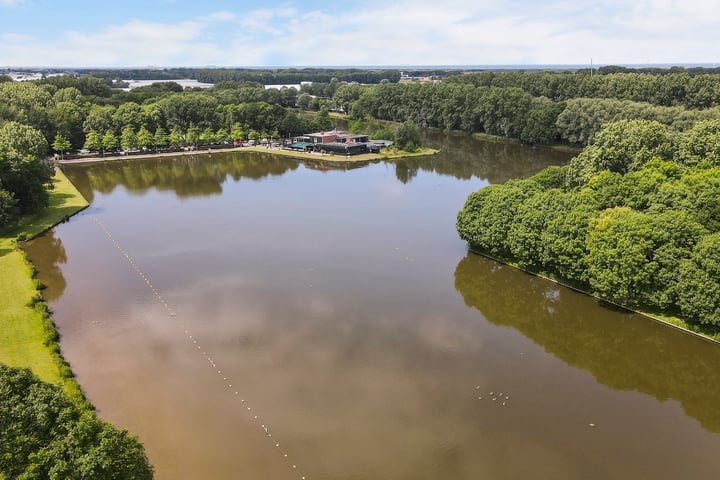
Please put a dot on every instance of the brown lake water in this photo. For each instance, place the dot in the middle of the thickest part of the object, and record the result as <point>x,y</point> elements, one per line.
<point>338,306</point>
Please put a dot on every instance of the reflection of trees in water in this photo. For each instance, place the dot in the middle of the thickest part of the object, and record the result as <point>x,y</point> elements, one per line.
<point>186,176</point>
<point>461,156</point>
<point>622,351</point>
<point>47,253</point>
<point>464,157</point>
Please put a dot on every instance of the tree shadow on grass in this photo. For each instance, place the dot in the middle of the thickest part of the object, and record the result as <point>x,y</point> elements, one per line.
<point>60,198</point>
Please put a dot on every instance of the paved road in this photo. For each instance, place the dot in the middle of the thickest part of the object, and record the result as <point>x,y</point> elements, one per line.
<point>144,155</point>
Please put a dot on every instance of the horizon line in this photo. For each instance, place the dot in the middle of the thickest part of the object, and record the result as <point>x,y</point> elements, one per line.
<point>514,66</point>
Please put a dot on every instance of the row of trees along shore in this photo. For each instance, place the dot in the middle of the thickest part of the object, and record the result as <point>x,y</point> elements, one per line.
<point>535,107</point>
<point>634,218</point>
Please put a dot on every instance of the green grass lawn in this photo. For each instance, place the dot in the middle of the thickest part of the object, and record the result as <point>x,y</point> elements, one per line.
<point>386,154</point>
<point>27,337</point>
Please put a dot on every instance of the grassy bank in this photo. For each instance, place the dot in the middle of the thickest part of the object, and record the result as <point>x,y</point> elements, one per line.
<point>386,154</point>
<point>27,335</point>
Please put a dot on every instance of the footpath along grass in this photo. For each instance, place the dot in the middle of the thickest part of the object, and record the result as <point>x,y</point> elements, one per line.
<point>27,336</point>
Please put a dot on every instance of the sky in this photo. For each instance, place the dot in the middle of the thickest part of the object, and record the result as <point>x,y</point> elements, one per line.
<point>169,33</point>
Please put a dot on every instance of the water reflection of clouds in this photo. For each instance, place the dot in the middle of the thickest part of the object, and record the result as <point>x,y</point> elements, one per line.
<point>334,312</point>
<point>442,335</point>
<point>390,188</point>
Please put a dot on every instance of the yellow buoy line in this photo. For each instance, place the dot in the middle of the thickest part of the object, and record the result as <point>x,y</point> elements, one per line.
<point>254,418</point>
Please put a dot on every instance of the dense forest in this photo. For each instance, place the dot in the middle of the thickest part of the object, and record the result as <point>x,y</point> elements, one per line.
<point>543,107</point>
<point>634,218</point>
<point>45,435</point>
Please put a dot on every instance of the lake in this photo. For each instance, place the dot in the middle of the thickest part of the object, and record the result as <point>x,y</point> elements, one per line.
<point>252,316</point>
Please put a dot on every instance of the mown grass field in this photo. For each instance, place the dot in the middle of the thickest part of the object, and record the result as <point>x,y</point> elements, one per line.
<point>27,336</point>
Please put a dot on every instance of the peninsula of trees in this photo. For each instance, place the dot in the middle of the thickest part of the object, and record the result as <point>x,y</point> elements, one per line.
<point>634,218</point>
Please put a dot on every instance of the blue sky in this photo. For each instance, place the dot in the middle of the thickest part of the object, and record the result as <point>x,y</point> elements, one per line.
<point>364,32</point>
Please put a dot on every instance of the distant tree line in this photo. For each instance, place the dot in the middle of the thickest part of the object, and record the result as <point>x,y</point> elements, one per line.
<point>512,106</point>
<point>670,89</point>
<point>535,107</point>
<point>283,76</point>
<point>634,218</point>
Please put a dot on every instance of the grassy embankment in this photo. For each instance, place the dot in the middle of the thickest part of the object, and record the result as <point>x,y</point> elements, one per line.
<point>385,154</point>
<point>27,335</point>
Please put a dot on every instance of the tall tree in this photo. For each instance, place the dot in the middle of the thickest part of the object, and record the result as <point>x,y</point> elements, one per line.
<point>93,141</point>
<point>22,140</point>
<point>61,144</point>
<point>408,136</point>
<point>160,139</point>
<point>23,173</point>
<point>323,119</point>
<point>144,137</point>
<point>176,139</point>
<point>699,288</point>
<point>109,141</point>
<point>128,138</point>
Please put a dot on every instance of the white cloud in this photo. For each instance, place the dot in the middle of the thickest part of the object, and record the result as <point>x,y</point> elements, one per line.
<point>378,32</point>
<point>487,33</point>
<point>136,43</point>
<point>15,37</point>
<point>11,3</point>
<point>220,17</point>
<point>268,20</point>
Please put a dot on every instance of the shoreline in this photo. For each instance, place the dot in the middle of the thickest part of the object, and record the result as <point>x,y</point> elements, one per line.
<point>365,157</point>
<point>647,315</point>
<point>28,337</point>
